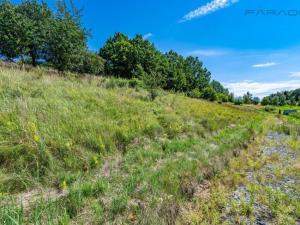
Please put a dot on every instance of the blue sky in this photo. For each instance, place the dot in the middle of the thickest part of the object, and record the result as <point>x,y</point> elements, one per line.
<point>245,46</point>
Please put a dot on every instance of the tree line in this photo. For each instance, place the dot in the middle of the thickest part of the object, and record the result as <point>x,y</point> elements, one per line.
<point>291,98</point>
<point>33,33</point>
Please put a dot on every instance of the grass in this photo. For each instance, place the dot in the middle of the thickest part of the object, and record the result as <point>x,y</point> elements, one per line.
<point>118,153</point>
<point>282,204</point>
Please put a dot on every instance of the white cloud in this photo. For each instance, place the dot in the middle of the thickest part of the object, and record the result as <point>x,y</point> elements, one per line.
<point>295,74</point>
<point>147,36</point>
<point>263,65</point>
<point>208,52</point>
<point>261,89</point>
<point>208,8</point>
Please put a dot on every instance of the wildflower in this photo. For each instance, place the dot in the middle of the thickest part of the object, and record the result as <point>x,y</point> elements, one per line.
<point>95,160</point>
<point>101,144</point>
<point>33,128</point>
<point>64,185</point>
<point>36,138</point>
<point>68,145</point>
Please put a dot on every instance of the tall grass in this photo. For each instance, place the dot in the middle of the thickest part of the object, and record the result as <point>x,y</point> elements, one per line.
<point>60,132</point>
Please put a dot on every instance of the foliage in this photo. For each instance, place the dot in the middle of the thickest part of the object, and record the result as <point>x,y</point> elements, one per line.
<point>12,31</point>
<point>248,98</point>
<point>269,108</point>
<point>238,101</point>
<point>291,98</point>
<point>56,38</point>
<point>218,87</point>
<point>32,30</point>
<point>91,63</point>
<point>256,100</point>
<point>67,43</point>
<point>117,53</point>
<point>209,93</point>
<point>138,58</point>
<point>37,17</point>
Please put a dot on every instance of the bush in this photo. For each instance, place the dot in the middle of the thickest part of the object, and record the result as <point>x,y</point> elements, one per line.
<point>116,83</point>
<point>134,83</point>
<point>194,93</point>
<point>238,101</point>
<point>153,94</point>
<point>269,108</point>
<point>223,98</point>
<point>209,93</point>
<point>91,64</point>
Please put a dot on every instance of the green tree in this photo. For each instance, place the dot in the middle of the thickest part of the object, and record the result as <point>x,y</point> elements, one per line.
<point>256,100</point>
<point>67,43</point>
<point>197,76</point>
<point>12,31</point>
<point>91,63</point>
<point>117,53</point>
<point>248,98</point>
<point>238,101</point>
<point>222,97</point>
<point>219,88</point>
<point>144,54</point>
<point>176,78</point>
<point>209,93</point>
<point>37,17</point>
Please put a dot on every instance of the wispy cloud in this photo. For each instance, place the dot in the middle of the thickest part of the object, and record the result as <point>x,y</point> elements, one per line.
<point>268,64</point>
<point>208,8</point>
<point>208,52</point>
<point>261,89</point>
<point>295,74</point>
<point>147,36</point>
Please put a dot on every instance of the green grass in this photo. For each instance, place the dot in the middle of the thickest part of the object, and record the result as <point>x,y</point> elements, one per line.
<point>119,153</point>
<point>282,205</point>
<point>288,107</point>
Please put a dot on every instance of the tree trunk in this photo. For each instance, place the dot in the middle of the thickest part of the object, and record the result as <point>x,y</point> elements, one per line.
<point>33,56</point>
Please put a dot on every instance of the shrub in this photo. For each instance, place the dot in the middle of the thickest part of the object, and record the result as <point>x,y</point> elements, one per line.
<point>116,83</point>
<point>153,94</point>
<point>238,101</point>
<point>209,93</point>
<point>223,98</point>
<point>269,108</point>
<point>194,93</point>
<point>91,64</point>
<point>134,83</point>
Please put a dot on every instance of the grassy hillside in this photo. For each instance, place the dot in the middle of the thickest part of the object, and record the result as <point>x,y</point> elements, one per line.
<point>95,150</point>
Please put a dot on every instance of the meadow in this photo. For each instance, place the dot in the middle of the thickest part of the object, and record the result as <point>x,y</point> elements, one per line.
<point>97,150</point>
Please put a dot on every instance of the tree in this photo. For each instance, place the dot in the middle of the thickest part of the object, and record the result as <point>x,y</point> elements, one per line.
<point>91,63</point>
<point>67,42</point>
<point>12,31</point>
<point>197,76</point>
<point>222,97</point>
<point>218,87</point>
<point>37,17</point>
<point>117,53</point>
<point>176,78</point>
<point>144,54</point>
<point>238,101</point>
<point>209,93</point>
<point>248,98</point>
<point>256,100</point>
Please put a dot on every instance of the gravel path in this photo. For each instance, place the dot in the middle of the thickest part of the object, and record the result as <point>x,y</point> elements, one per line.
<point>271,183</point>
